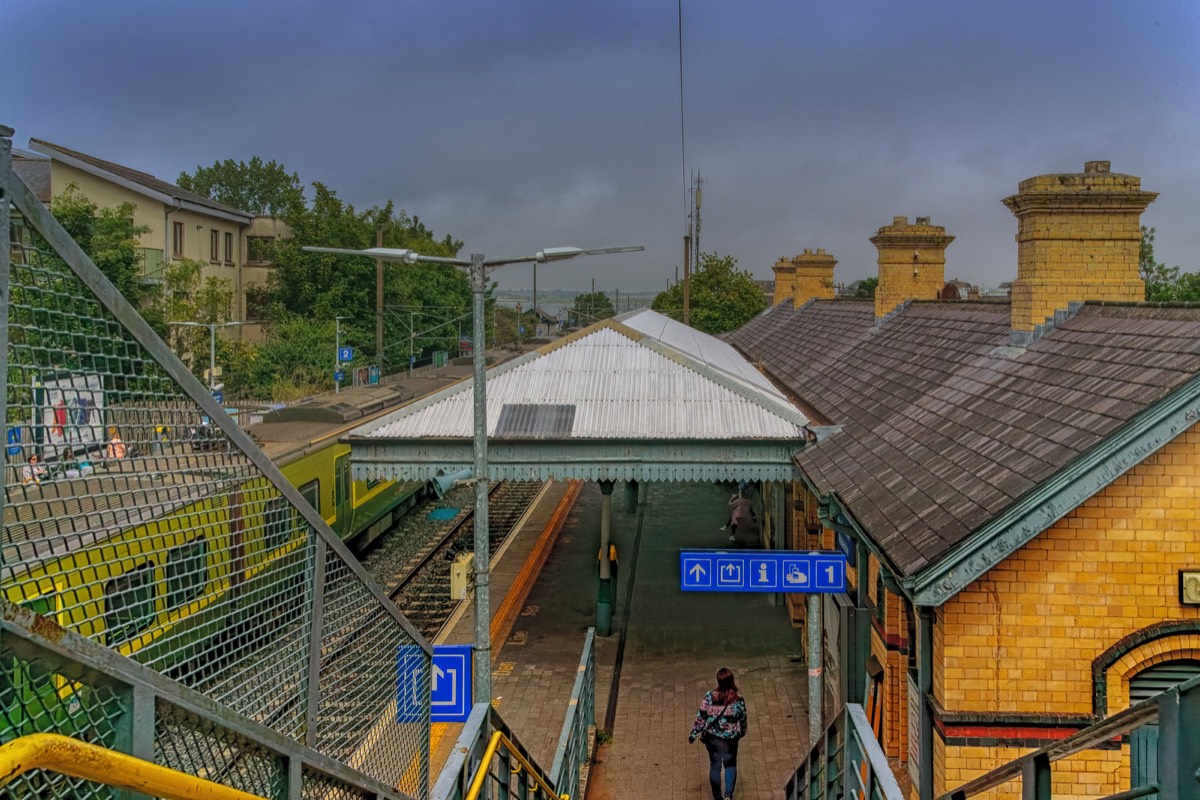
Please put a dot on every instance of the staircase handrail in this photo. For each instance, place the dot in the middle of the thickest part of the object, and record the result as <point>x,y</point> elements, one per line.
<point>1031,766</point>
<point>66,756</point>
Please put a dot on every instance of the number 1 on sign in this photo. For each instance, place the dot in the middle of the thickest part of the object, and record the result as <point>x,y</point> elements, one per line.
<point>831,572</point>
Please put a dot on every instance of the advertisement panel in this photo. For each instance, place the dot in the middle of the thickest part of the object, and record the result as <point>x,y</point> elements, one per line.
<point>68,414</point>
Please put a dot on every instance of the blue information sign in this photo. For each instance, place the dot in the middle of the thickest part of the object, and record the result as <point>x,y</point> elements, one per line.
<point>410,683</point>
<point>339,376</point>
<point>14,441</point>
<point>219,396</point>
<point>762,571</point>
<point>451,698</point>
<point>345,354</point>
<point>448,689</point>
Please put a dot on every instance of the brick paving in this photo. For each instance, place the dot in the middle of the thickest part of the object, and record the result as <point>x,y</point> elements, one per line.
<point>674,644</point>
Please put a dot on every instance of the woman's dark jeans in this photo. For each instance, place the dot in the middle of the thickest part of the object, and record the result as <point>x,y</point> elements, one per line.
<point>721,753</point>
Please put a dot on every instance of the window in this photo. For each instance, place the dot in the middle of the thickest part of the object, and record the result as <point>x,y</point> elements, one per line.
<point>228,248</point>
<point>312,493</point>
<point>259,249</point>
<point>341,486</point>
<point>214,238</point>
<point>177,239</point>
<point>129,604</point>
<point>257,301</point>
<point>277,524</point>
<point>187,572</point>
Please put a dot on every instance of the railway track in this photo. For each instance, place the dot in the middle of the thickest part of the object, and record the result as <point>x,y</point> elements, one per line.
<point>420,584</point>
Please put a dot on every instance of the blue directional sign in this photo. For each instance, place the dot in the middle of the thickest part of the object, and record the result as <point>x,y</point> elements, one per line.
<point>447,689</point>
<point>411,681</point>
<point>219,396</point>
<point>345,354</point>
<point>451,699</point>
<point>339,376</point>
<point>762,571</point>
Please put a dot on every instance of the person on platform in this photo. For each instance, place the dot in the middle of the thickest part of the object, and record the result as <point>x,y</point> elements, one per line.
<point>33,472</point>
<point>721,722</point>
<point>741,514</point>
<point>116,446</point>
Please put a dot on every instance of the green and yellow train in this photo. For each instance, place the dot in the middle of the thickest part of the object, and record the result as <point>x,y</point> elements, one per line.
<point>184,568</point>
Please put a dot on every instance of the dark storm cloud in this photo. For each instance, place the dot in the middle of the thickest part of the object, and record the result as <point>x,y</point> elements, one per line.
<point>521,124</point>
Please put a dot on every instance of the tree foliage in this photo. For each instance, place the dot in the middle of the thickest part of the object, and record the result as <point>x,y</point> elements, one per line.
<point>866,288</point>
<point>109,237</point>
<point>256,187</point>
<point>590,307</point>
<point>1165,284</point>
<point>723,297</point>
<point>325,286</point>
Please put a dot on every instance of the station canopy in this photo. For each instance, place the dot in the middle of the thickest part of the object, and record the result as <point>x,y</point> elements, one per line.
<point>636,397</point>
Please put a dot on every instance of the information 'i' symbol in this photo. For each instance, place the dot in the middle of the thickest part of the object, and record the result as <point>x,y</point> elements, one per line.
<point>762,572</point>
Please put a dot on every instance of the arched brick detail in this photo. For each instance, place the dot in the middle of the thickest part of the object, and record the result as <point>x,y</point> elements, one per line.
<point>1172,640</point>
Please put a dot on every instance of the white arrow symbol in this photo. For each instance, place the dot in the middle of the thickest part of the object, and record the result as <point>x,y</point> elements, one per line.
<point>730,570</point>
<point>698,572</point>
<point>438,672</point>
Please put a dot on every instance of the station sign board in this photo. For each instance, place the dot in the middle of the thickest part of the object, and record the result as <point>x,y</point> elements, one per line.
<point>798,571</point>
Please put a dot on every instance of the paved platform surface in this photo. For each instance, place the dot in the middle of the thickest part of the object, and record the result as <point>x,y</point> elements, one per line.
<point>664,652</point>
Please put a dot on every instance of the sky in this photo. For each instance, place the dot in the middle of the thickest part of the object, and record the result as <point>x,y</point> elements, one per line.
<point>523,124</point>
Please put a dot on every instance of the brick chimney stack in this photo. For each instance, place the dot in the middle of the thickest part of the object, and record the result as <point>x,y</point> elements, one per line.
<point>912,263</point>
<point>1078,237</point>
<point>804,277</point>
<point>785,280</point>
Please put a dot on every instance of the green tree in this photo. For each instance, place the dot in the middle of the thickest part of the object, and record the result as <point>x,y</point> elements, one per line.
<point>293,361</point>
<point>323,286</point>
<point>256,187</point>
<point>723,297</point>
<point>108,236</point>
<point>186,296</point>
<point>590,307</point>
<point>866,288</point>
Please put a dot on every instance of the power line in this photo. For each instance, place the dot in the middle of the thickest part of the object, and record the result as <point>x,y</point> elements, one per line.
<point>682,127</point>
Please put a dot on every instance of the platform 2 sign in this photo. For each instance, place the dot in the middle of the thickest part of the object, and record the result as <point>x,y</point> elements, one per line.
<point>448,689</point>
<point>800,571</point>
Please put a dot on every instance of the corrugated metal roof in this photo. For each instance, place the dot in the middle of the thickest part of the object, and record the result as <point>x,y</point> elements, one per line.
<point>632,398</point>
<point>641,377</point>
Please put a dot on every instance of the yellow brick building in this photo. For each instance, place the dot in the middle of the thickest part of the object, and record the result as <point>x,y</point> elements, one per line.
<point>1016,485</point>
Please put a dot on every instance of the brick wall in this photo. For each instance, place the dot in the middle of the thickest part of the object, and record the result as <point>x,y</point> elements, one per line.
<point>1024,647</point>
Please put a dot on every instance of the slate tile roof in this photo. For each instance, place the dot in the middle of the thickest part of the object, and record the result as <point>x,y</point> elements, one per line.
<point>943,431</point>
<point>136,176</point>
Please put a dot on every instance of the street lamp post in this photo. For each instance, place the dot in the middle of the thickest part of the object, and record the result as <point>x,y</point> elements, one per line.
<point>478,267</point>
<point>212,345</point>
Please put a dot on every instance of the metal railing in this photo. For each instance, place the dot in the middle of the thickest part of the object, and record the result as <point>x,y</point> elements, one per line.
<point>1176,712</point>
<point>193,556</point>
<point>846,762</point>
<point>489,761</point>
<point>579,729</point>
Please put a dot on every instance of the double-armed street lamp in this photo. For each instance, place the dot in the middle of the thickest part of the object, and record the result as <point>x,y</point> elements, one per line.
<point>478,267</point>
<point>212,345</point>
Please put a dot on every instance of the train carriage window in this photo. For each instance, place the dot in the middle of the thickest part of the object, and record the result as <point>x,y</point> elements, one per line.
<point>129,604</point>
<point>277,523</point>
<point>312,493</point>
<point>187,572</point>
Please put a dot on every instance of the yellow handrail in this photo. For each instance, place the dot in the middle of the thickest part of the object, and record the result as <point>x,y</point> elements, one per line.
<point>499,738</point>
<point>68,756</point>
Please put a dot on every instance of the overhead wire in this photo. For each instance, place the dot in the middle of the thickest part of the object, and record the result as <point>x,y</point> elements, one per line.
<point>682,125</point>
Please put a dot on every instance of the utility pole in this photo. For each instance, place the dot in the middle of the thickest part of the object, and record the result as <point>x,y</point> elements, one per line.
<point>379,301</point>
<point>697,182</point>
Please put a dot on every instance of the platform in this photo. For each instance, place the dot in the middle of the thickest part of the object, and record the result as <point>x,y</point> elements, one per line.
<point>664,652</point>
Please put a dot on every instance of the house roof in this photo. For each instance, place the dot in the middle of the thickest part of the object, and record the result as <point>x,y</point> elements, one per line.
<point>636,397</point>
<point>948,431</point>
<point>138,181</point>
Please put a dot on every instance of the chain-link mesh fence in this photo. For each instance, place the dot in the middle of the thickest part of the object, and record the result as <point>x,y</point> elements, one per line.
<point>139,517</point>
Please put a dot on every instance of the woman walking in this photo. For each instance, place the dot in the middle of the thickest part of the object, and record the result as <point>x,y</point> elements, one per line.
<point>721,723</point>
